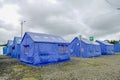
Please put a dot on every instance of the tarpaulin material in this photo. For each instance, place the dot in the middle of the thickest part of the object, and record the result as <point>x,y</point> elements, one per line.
<point>117,47</point>
<point>9,47</point>
<point>39,49</point>
<point>106,48</point>
<point>16,47</point>
<point>84,48</point>
<point>5,50</point>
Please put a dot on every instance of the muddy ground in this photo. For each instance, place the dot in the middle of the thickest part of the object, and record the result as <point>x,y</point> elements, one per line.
<point>101,68</point>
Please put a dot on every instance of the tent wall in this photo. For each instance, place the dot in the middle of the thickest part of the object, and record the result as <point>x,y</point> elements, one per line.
<point>117,47</point>
<point>16,47</point>
<point>75,48</point>
<point>27,46</point>
<point>84,50</point>
<point>103,49</point>
<point>110,49</point>
<point>97,50</point>
<point>88,50</point>
<point>9,50</point>
<point>5,50</point>
<point>106,49</point>
<point>49,53</point>
<point>13,51</point>
<point>39,53</point>
<point>9,47</point>
<point>16,51</point>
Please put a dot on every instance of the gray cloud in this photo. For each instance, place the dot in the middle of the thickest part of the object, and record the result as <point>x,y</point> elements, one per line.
<point>5,26</point>
<point>60,18</point>
<point>114,3</point>
<point>68,18</point>
<point>106,24</point>
<point>8,31</point>
<point>1,4</point>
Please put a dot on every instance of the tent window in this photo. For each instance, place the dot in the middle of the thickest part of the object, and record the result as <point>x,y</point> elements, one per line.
<point>13,47</point>
<point>77,44</point>
<point>26,49</point>
<point>82,50</point>
<point>63,49</point>
<point>71,50</point>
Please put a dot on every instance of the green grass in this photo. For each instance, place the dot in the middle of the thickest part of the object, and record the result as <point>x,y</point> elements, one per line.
<point>29,79</point>
<point>24,72</point>
<point>76,69</point>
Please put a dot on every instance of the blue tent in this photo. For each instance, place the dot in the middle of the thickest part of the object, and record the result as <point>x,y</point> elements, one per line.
<point>9,47</point>
<point>106,48</point>
<point>117,47</point>
<point>5,50</point>
<point>88,49</point>
<point>39,49</point>
<point>16,47</point>
<point>96,49</point>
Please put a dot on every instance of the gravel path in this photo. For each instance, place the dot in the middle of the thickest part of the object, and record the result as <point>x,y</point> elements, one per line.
<point>101,68</point>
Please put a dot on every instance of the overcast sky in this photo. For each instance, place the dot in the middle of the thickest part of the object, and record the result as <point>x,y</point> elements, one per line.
<point>66,18</point>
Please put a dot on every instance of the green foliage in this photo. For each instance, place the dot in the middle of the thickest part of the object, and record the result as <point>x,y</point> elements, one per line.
<point>3,45</point>
<point>112,41</point>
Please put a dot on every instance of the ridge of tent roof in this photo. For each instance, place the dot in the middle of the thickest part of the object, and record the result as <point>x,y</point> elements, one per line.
<point>18,39</point>
<point>87,41</point>
<point>41,37</point>
<point>10,42</point>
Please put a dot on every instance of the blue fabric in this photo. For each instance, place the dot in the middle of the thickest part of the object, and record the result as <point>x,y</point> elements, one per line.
<point>5,50</point>
<point>41,52</point>
<point>28,64</point>
<point>88,49</point>
<point>39,37</point>
<point>117,47</point>
<point>16,47</point>
<point>106,48</point>
<point>9,47</point>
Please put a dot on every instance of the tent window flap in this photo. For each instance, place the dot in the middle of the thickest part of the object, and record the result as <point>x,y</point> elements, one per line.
<point>62,49</point>
<point>26,49</point>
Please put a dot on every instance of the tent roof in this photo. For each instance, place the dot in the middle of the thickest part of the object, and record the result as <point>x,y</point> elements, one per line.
<point>40,37</point>
<point>18,39</point>
<point>96,43</point>
<point>88,42</point>
<point>10,42</point>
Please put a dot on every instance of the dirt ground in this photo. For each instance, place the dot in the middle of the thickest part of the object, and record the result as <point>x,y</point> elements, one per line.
<point>101,68</point>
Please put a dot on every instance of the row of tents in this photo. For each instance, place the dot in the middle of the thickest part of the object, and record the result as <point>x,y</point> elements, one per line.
<point>39,49</point>
<point>87,49</point>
